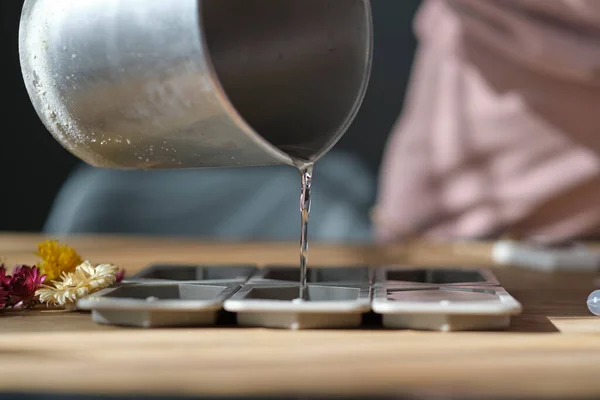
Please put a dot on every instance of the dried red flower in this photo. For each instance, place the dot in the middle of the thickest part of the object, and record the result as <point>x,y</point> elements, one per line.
<point>4,279</point>
<point>3,298</point>
<point>120,275</point>
<point>4,283</point>
<point>24,282</point>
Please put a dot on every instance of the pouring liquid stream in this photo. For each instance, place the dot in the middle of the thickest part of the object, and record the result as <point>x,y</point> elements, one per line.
<point>306,172</point>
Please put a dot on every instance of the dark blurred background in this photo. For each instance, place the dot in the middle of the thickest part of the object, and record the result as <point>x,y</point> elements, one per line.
<point>33,165</point>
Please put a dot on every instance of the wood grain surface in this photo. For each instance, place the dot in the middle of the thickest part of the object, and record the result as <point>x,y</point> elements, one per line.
<point>551,350</point>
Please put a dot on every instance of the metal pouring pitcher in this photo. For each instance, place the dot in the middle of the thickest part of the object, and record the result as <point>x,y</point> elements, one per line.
<point>157,84</point>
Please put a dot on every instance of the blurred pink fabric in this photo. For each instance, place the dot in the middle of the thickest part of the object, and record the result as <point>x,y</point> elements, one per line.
<point>501,127</point>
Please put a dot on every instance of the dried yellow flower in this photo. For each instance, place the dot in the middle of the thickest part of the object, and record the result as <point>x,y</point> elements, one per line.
<point>85,280</point>
<point>57,259</point>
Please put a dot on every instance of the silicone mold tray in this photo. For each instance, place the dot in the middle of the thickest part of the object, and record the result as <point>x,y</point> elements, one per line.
<point>445,299</point>
<point>401,276</point>
<point>158,305</point>
<point>194,273</point>
<point>445,308</point>
<point>315,275</point>
<point>278,306</point>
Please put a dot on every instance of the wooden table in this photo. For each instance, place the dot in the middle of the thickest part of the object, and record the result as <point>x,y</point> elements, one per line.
<point>552,349</point>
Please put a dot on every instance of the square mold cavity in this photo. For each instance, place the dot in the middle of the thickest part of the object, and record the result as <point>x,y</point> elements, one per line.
<point>316,275</point>
<point>401,276</point>
<point>278,306</point>
<point>450,308</point>
<point>194,273</point>
<point>158,305</point>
